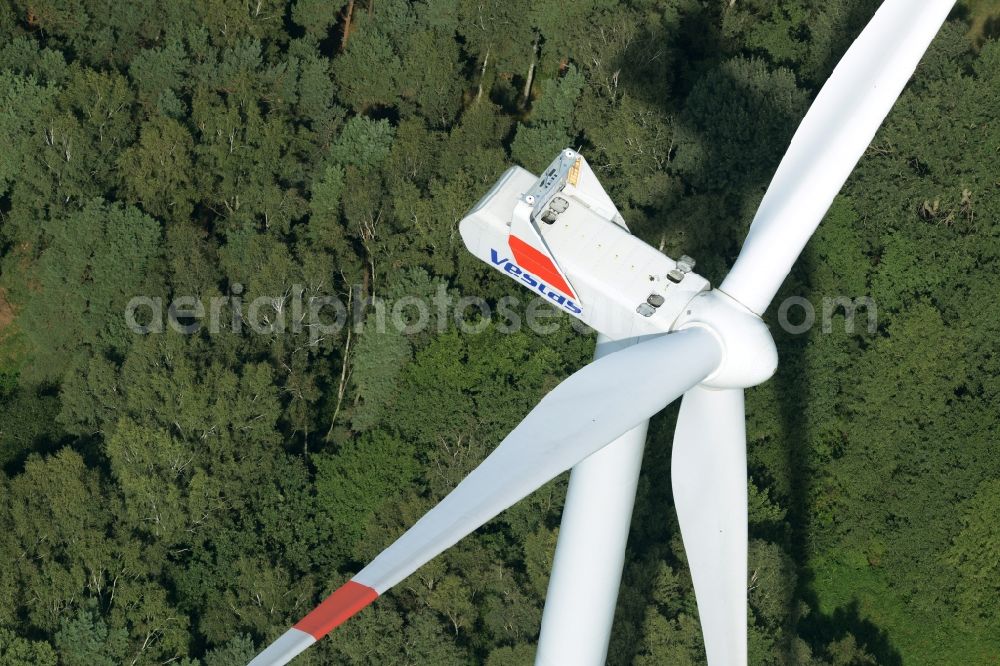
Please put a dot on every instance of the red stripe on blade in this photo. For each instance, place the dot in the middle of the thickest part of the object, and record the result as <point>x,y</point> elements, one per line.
<point>533,261</point>
<point>345,601</point>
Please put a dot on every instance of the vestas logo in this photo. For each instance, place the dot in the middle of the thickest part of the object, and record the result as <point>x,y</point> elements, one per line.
<point>530,280</point>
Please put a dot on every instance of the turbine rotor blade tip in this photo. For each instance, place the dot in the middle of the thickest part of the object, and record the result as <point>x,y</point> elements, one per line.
<point>345,601</point>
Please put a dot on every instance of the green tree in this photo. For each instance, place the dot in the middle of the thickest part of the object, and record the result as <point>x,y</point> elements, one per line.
<point>548,131</point>
<point>973,554</point>
<point>22,102</point>
<point>350,496</point>
<point>85,639</point>
<point>18,651</point>
<point>157,170</point>
<point>97,260</point>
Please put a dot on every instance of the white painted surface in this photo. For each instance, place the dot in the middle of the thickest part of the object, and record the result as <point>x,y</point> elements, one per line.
<point>586,573</point>
<point>749,356</point>
<point>610,270</point>
<point>587,411</point>
<point>709,475</point>
<point>289,645</point>
<point>832,137</point>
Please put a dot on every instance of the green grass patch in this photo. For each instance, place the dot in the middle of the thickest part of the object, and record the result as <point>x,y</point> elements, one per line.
<point>844,579</point>
<point>982,15</point>
<point>14,347</point>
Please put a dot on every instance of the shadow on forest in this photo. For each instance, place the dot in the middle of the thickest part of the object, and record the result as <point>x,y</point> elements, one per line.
<point>36,405</point>
<point>792,379</point>
<point>654,524</point>
<point>823,629</point>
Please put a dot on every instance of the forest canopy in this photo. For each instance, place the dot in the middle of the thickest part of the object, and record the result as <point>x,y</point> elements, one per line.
<point>185,497</point>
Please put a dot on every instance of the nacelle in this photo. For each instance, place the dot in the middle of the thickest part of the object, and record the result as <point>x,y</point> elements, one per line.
<point>561,236</point>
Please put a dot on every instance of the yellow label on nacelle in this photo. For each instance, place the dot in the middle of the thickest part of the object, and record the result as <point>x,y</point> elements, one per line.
<point>574,173</point>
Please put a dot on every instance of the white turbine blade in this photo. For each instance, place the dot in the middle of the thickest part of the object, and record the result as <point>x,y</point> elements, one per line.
<point>583,414</point>
<point>590,552</point>
<point>709,474</point>
<point>832,137</point>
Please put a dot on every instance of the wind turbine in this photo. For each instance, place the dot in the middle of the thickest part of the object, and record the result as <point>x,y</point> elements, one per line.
<point>665,335</point>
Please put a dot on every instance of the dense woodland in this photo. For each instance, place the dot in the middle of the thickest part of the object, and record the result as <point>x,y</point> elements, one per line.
<point>182,499</point>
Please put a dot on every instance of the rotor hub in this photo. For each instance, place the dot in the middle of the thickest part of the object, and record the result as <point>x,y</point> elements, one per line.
<point>749,356</point>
